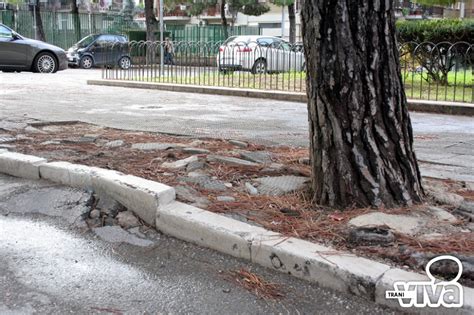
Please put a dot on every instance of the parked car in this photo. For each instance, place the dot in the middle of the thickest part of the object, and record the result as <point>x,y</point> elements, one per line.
<point>259,54</point>
<point>18,53</point>
<point>100,50</point>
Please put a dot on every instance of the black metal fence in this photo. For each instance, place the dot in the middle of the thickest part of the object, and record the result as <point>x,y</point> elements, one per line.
<point>441,72</point>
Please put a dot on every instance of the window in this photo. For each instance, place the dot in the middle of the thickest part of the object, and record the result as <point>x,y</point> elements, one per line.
<point>109,38</point>
<point>265,42</point>
<point>104,40</point>
<point>5,32</point>
<point>86,41</point>
<point>121,39</point>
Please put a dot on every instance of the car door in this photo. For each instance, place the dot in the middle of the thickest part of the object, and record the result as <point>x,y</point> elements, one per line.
<point>263,49</point>
<point>13,50</point>
<point>276,58</point>
<point>99,50</point>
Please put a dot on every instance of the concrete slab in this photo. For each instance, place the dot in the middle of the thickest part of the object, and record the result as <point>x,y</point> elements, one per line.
<point>399,223</point>
<point>280,185</point>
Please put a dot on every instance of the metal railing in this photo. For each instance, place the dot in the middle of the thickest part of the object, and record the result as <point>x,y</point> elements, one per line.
<point>441,72</point>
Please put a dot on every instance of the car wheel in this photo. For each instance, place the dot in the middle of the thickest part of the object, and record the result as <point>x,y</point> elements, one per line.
<point>125,63</point>
<point>45,63</point>
<point>259,67</point>
<point>86,62</point>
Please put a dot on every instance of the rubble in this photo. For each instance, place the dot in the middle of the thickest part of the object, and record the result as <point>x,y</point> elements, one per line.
<point>180,164</point>
<point>281,185</point>
<point>195,151</point>
<point>230,161</point>
<point>398,223</point>
<point>371,236</point>
<point>225,199</point>
<point>240,144</point>
<point>114,144</point>
<point>251,189</point>
<point>127,220</point>
<point>155,146</point>
<point>260,157</point>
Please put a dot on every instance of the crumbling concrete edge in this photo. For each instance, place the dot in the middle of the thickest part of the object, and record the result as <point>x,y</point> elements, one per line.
<point>438,107</point>
<point>155,204</point>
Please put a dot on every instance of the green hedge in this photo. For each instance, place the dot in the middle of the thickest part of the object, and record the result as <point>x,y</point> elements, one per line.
<point>450,30</point>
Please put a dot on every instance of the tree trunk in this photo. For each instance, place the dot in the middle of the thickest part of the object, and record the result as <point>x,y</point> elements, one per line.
<point>39,30</point>
<point>151,26</point>
<point>292,18</point>
<point>77,20</point>
<point>150,21</point>
<point>224,20</point>
<point>361,135</point>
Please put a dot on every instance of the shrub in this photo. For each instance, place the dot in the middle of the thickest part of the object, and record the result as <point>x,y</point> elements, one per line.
<point>436,31</point>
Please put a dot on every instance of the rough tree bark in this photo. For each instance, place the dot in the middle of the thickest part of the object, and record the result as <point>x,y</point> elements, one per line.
<point>361,135</point>
<point>77,20</point>
<point>150,21</point>
<point>224,20</point>
<point>292,19</point>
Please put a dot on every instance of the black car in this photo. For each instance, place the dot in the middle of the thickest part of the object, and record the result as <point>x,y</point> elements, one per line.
<point>100,50</point>
<point>18,53</point>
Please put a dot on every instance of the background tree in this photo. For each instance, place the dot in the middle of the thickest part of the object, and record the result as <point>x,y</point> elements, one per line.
<point>224,18</point>
<point>36,13</point>
<point>128,13</point>
<point>150,21</point>
<point>361,139</point>
<point>76,19</point>
<point>290,4</point>
<point>247,7</point>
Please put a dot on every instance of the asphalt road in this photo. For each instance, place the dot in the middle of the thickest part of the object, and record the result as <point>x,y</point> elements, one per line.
<point>444,144</point>
<point>51,263</point>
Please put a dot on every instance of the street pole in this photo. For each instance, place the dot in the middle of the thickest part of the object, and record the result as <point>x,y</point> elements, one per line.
<point>283,21</point>
<point>162,63</point>
<point>35,3</point>
<point>462,10</point>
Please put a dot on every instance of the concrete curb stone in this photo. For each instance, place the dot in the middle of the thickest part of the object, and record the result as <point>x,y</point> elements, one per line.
<point>20,165</point>
<point>139,195</point>
<point>450,108</point>
<point>207,229</point>
<point>316,263</point>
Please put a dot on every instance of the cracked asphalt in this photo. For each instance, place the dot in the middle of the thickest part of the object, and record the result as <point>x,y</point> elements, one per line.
<point>51,263</point>
<point>444,144</point>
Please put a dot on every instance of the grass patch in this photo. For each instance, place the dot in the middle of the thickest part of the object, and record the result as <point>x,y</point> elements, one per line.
<point>459,87</point>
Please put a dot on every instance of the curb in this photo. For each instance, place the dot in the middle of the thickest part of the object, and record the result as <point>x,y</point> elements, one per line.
<point>437,107</point>
<point>188,88</point>
<point>155,204</point>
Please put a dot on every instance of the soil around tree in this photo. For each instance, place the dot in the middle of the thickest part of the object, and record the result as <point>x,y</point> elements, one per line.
<point>225,177</point>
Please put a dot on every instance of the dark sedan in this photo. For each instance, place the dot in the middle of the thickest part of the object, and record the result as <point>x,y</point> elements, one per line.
<point>18,53</point>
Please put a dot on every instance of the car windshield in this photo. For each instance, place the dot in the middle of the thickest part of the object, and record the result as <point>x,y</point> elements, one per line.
<point>86,41</point>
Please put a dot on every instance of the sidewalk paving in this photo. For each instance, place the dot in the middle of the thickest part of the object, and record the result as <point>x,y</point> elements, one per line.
<point>443,143</point>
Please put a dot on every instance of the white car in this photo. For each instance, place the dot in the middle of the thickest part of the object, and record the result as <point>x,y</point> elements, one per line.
<point>259,54</point>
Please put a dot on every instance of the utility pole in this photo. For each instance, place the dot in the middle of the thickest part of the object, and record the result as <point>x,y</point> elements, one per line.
<point>283,21</point>
<point>35,4</point>
<point>162,63</point>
